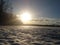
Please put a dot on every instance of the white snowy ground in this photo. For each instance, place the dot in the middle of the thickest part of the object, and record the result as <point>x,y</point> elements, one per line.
<point>29,35</point>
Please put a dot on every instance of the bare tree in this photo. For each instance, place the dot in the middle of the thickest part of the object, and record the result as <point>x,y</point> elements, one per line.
<point>4,8</point>
<point>6,16</point>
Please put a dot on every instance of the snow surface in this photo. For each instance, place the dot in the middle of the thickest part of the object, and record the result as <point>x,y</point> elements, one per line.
<point>29,35</point>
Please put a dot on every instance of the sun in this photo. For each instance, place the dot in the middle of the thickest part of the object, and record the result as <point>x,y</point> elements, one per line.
<point>25,17</point>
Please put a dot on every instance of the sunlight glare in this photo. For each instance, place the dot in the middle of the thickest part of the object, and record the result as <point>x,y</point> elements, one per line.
<point>25,17</point>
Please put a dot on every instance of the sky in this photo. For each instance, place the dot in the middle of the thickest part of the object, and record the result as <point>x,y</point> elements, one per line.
<point>42,11</point>
<point>39,8</point>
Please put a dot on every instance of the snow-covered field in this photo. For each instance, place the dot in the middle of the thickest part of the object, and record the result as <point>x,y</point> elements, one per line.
<point>29,35</point>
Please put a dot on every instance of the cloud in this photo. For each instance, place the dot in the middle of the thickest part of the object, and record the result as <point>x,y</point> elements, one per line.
<point>47,21</point>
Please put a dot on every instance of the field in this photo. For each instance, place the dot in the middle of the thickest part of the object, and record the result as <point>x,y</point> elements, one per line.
<point>29,35</point>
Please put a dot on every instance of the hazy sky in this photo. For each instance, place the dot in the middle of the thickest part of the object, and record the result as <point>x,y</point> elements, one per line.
<point>39,8</point>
